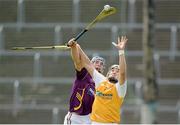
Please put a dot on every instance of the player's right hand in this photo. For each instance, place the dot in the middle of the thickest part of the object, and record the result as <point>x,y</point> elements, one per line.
<point>71,42</point>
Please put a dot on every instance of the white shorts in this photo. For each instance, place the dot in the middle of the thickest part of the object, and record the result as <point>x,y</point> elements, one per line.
<point>73,118</point>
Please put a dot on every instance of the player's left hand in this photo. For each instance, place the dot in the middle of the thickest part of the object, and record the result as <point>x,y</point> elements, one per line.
<point>121,43</point>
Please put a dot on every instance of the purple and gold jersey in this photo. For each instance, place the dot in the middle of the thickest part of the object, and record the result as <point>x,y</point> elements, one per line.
<point>82,94</point>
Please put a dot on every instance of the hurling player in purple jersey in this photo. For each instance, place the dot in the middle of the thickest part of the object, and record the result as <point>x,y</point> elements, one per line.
<point>83,89</point>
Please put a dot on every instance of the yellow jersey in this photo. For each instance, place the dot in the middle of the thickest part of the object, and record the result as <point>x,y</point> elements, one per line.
<point>107,103</point>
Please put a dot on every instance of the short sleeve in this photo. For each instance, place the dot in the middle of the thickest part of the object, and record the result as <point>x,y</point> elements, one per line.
<point>81,74</point>
<point>98,78</point>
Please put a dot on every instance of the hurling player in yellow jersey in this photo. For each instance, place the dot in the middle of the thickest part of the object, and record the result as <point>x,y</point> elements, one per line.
<point>110,90</point>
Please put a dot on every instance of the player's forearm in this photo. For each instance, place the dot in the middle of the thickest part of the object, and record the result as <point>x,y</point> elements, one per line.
<point>83,56</point>
<point>85,61</point>
<point>75,56</point>
<point>122,66</point>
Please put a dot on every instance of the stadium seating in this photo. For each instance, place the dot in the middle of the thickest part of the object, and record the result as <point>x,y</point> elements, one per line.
<point>16,66</point>
<point>8,11</point>
<point>40,19</point>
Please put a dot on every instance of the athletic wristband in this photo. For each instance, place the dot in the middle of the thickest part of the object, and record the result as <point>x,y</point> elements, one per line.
<point>121,52</point>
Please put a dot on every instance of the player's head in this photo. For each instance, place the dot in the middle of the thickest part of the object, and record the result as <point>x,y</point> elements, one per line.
<point>113,73</point>
<point>98,63</point>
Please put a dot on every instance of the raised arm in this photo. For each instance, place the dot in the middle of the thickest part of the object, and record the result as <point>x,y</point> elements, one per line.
<point>86,61</point>
<point>75,54</point>
<point>122,61</point>
<point>80,58</point>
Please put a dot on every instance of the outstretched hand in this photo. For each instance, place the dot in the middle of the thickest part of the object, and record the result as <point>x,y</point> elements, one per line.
<point>121,43</point>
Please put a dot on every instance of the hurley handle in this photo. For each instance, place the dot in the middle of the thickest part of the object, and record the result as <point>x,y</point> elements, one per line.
<point>80,34</point>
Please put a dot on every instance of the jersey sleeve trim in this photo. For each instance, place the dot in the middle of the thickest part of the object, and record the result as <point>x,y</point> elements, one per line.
<point>98,78</point>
